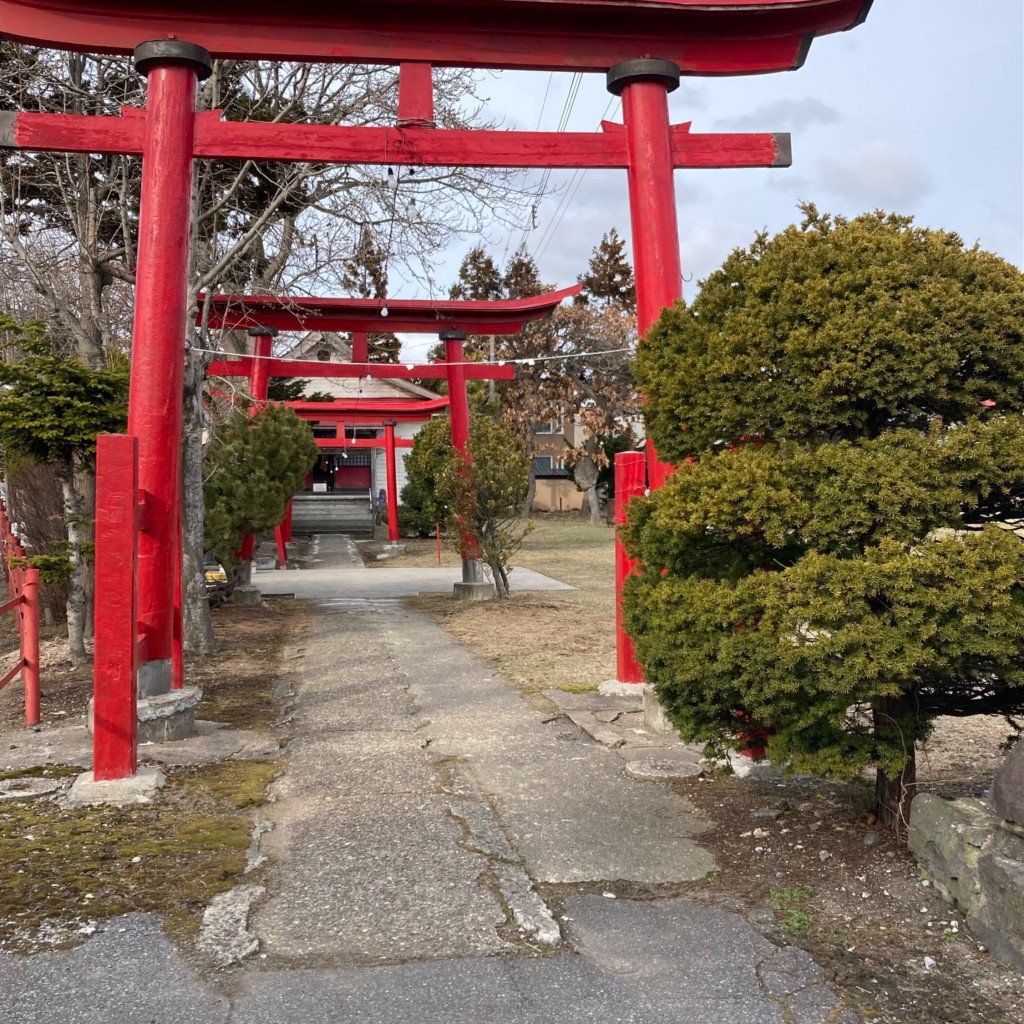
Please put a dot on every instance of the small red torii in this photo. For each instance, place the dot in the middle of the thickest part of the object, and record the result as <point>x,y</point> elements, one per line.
<point>263,316</point>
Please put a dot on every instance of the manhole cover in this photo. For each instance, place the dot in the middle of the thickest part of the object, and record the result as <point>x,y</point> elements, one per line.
<point>663,769</point>
<point>26,789</point>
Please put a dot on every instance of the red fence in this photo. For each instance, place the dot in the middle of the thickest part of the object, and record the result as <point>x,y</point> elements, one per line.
<point>23,604</point>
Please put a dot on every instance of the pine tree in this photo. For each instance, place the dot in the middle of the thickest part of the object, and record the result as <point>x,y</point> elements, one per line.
<point>608,280</point>
<point>479,277</point>
<point>254,464</point>
<point>365,276</point>
<point>844,405</point>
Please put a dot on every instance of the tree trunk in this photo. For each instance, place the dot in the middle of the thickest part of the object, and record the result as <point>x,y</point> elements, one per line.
<point>85,484</point>
<point>73,517</point>
<point>893,793</point>
<point>595,505</point>
<point>531,483</point>
<point>197,627</point>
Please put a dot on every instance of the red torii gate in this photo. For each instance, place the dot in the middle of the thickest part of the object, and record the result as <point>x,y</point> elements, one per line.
<point>263,316</point>
<point>695,37</point>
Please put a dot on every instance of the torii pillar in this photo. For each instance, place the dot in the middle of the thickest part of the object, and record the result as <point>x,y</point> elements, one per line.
<point>173,69</point>
<point>644,85</point>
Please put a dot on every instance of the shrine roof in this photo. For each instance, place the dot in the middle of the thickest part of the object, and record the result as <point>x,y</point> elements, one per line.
<point>704,37</point>
<point>407,316</point>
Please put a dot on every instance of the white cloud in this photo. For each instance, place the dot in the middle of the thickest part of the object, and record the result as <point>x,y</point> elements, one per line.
<point>783,115</point>
<point>876,175</point>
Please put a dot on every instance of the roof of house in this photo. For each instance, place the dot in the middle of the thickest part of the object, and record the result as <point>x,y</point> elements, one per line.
<point>311,345</point>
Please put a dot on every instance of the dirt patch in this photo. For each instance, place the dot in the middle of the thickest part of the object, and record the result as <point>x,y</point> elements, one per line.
<point>552,639</point>
<point>63,689</point>
<point>62,870</point>
<point>238,682</point>
<point>805,857</point>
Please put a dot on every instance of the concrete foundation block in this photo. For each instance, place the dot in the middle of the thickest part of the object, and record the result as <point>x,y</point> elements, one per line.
<point>654,714</point>
<point>613,688</point>
<point>139,788</point>
<point>248,594</point>
<point>169,716</point>
<point>473,591</point>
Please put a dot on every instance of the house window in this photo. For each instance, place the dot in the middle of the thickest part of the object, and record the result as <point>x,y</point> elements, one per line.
<point>542,463</point>
<point>548,427</point>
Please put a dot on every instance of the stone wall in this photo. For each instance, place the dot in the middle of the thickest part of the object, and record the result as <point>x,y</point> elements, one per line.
<point>975,858</point>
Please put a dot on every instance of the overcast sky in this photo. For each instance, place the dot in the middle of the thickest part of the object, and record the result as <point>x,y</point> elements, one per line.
<point>919,110</point>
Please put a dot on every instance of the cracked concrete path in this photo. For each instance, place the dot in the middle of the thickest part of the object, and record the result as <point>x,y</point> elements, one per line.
<point>425,811</point>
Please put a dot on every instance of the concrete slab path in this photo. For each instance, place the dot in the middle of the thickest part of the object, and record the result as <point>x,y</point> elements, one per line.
<point>442,851</point>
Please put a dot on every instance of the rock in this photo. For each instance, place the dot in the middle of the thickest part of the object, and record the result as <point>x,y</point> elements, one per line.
<point>824,855</point>
<point>873,839</point>
<point>663,769</point>
<point>767,813</point>
<point>27,788</point>
<point>224,935</point>
<point>975,860</point>
<point>1008,788</point>
<point>815,826</point>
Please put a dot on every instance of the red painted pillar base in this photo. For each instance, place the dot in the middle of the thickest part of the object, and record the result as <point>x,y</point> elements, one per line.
<point>630,481</point>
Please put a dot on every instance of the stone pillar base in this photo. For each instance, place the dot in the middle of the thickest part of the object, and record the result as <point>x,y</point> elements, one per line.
<point>170,716</point>
<point>654,714</point>
<point>473,591</point>
<point>247,594</point>
<point>139,788</point>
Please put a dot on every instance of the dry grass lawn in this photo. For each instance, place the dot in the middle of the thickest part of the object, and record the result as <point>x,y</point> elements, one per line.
<point>541,641</point>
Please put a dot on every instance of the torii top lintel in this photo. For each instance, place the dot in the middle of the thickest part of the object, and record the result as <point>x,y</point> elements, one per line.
<point>408,316</point>
<point>704,37</point>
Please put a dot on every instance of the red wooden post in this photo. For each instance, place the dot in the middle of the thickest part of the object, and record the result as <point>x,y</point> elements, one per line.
<point>360,347</point>
<point>115,713</point>
<point>287,522</point>
<point>644,86</point>
<point>282,549</point>
<point>392,472</point>
<point>30,642</point>
<point>155,403</point>
<point>630,480</point>
<point>259,380</point>
<point>415,95</point>
<point>458,405</point>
